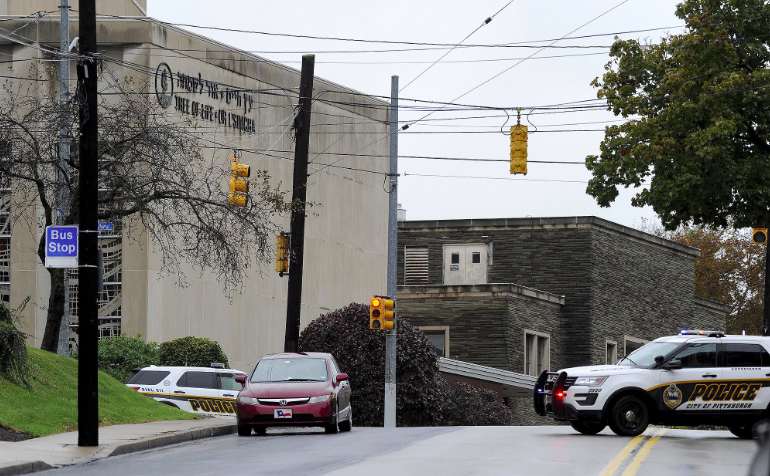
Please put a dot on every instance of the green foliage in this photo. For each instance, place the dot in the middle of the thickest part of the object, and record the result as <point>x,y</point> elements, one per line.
<point>698,122</point>
<point>192,351</point>
<point>119,355</point>
<point>423,397</point>
<point>13,349</point>
<point>49,404</point>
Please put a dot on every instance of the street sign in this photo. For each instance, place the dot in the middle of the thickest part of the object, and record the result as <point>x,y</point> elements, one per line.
<point>106,226</point>
<point>61,247</point>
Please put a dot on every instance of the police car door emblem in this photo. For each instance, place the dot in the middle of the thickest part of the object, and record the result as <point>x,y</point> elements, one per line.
<point>672,396</point>
<point>283,402</point>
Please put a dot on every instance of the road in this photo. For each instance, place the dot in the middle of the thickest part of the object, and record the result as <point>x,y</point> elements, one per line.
<point>552,450</point>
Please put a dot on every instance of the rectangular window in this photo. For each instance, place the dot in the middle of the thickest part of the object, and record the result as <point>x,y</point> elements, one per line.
<point>197,380</point>
<point>630,344</point>
<point>698,356</point>
<point>537,350</point>
<point>476,257</point>
<point>742,355</point>
<point>438,336</point>
<point>612,352</point>
<point>455,258</point>
<point>415,265</point>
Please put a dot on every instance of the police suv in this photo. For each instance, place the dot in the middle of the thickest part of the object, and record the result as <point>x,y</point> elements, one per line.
<point>202,390</point>
<point>695,378</point>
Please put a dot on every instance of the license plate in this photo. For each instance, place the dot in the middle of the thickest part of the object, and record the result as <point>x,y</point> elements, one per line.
<point>283,413</point>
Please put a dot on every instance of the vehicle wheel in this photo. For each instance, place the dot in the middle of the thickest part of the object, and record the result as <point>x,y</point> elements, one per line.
<point>742,432</point>
<point>587,428</point>
<point>334,427</point>
<point>629,416</point>
<point>347,425</point>
<point>260,430</point>
<point>244,430</point>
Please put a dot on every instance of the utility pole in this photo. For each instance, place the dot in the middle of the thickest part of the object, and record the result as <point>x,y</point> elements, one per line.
<point>88,310</point>
<point>766,302</point>
<point>64,155</point>
<point>298,200</point>
<point>391,336</point>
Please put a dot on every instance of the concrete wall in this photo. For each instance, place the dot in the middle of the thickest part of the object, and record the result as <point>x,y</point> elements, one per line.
<point>345,251</point>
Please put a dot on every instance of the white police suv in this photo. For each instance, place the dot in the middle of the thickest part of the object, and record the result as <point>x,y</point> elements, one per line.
<point>695,378</point>
<point>202,390</point>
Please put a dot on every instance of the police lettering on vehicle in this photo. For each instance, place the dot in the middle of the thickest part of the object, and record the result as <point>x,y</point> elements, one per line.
<point>212,405</point>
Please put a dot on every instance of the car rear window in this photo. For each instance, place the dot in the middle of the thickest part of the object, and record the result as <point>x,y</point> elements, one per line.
<point>284,370</point>
<point>148,377</point>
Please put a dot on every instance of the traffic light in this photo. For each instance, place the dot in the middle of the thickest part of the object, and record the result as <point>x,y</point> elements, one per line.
<point>239,186</point>
<point>519,149</point>
<point>759,235</point>
<point>381,315</point>
<point>282,254</point>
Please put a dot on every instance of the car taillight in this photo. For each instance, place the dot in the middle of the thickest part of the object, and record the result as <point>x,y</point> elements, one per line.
<point>136,388</point>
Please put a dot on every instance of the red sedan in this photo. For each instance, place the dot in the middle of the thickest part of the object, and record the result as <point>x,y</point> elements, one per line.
<point>294,389</point>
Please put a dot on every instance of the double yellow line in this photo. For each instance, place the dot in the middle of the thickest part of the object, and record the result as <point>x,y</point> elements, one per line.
<point>639,447</point>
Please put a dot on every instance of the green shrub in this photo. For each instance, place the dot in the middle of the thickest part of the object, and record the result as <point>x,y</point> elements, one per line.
<point>191,351</point>
<point>119,355</point>
<point>423,397</point>
<point>13,349</point>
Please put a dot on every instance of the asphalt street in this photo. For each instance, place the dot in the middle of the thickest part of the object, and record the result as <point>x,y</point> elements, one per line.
<point>554,450</point>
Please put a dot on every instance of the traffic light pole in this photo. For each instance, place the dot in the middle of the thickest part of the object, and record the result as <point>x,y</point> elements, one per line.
<point>88,398</point>
<point>391,336</point>
<point>298,200</point>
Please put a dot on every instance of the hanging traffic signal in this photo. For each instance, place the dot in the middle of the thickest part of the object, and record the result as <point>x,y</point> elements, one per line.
<point>519,149</point>
<point>282,254</point>
<point>239,186</point>
<point>381,314</point>
<point>759,235</point>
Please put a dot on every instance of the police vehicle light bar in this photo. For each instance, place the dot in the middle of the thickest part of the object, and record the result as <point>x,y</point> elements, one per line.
<point>698,332</point>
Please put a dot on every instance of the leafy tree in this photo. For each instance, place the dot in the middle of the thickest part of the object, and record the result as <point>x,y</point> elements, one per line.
<point>730,270</point>
<point>14,364</point>
<point>118,356</point>
<point>192,351</point>
<point>154,178</point>
<point>698,125</point>
<point>423,397</point>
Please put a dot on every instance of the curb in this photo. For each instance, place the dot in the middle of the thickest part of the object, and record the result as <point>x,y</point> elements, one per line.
<point>24,468</point>
<point>167,440</point>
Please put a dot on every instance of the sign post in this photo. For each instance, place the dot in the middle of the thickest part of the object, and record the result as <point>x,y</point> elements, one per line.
<point>61,247</point>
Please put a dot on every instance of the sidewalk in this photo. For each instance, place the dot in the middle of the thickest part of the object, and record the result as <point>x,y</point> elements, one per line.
<point>48,452</point>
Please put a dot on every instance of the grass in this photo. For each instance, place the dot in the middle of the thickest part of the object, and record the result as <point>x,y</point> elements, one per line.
<point>49,406</point>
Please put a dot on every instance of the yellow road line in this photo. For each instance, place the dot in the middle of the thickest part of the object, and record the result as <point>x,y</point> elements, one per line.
<point>642,454</point>
<point>615,463</point>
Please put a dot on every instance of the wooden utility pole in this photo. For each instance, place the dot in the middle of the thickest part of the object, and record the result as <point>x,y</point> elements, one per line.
<point>88,309</point>
<point>298,201</point>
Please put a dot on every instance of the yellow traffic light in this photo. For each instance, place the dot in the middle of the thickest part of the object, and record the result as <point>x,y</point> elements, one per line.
<point>759,235</point>
<point>239,186</point>
<point>381,314</point>
<point>282,254</point>
<point>519,149</point>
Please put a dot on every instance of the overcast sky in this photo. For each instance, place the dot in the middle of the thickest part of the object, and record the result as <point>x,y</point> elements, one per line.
<point>548,189</point>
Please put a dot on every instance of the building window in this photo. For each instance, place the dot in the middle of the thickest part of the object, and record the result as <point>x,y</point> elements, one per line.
<point>612,352</point>
<point>455,258</point>
<point>630,344</point>
<point>476,257</point>
<point>415,265</point>
<point>537,351</point>
<point>438,336</point>
<point>465,264</point>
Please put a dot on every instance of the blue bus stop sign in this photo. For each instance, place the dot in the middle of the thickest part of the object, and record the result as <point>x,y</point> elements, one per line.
<point>61,247</point>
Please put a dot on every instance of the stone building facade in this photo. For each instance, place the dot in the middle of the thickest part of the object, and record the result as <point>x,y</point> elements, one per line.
<point>532,293</point>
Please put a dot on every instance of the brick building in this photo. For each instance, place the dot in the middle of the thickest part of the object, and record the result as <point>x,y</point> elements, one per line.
<point>526,294</point>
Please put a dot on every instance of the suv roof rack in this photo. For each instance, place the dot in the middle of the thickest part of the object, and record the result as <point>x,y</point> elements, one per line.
<point>698,332</point>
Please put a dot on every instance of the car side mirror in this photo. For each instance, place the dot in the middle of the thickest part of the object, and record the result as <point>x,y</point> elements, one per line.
<point>241,379</point>
<point>659,359</point>
<point>672,365</point>
<point>341,377</point>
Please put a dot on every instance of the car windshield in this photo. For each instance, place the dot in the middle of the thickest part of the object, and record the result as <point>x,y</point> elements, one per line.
<point>645,356</point>
<point>286,370</point>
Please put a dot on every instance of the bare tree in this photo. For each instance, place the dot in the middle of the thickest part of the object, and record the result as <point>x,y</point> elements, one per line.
<point>154,179</point>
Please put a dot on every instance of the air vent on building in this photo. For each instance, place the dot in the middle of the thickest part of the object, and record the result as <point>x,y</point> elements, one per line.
<point>415,265</point>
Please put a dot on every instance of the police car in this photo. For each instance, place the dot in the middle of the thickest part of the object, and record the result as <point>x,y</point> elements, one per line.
<point>695,378</point>
<point>203,390</point>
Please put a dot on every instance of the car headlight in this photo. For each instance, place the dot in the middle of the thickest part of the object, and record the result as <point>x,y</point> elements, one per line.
<point>321,398</point>
<point>589,381</point>
<point>248,400</point>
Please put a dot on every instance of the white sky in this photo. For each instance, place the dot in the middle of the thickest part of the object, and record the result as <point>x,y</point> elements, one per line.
<point>535,82</point>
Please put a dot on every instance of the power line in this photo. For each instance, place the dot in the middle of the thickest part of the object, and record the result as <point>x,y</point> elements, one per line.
<point>493,178</point>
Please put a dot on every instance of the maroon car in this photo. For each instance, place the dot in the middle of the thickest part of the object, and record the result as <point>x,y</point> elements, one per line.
<point>294,389</point>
